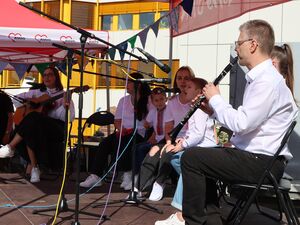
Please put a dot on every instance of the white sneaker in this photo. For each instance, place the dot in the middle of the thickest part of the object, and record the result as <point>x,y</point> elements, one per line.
<point>6,151</point>
<point>172,220</point>
<point>35,175</point>
<point>90,181</point>
<point>126,182</point>
<point>157,192</point>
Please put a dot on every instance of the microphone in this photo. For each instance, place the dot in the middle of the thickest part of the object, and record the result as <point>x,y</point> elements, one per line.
<point>156,80</point>
<point>162,66</point>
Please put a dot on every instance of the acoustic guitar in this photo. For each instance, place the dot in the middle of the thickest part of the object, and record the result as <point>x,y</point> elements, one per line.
<point>42,104</point>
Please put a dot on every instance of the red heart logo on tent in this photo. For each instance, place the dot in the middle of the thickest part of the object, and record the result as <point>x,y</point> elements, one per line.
<point>40,37</point>
<point>15,36</point>
<point>65,39</point>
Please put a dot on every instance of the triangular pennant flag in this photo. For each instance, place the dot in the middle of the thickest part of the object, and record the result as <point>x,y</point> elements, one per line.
<point>173,18</point>
<point>112,53</point>
<point>187,6</point>
<point>20,69</point>
<point>85,60</point>
<point>41,67</point>
<point>62,66</point>
<point>124,46</point>
<point>143,36</point>
<point>132,41</point>
<point>155,27</point>
<point>2,66</point>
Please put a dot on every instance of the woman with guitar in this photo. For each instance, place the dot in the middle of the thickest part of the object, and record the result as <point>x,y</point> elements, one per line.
<point>42,124</point>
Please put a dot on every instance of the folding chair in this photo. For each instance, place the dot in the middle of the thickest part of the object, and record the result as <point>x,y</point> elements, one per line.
<point>101,118</point>
<point>250,194</point>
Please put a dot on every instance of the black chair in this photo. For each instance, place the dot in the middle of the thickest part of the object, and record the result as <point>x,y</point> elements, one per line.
<point>250,192</point>
<point>101,118</point>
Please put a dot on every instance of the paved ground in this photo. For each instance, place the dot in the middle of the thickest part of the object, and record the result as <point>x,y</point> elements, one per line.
<point>15,190</point>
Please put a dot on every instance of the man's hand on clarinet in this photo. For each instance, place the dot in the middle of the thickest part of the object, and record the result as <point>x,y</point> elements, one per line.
<point>210,90</point>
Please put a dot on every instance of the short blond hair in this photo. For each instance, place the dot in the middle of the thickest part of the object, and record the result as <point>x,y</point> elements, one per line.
<point>262,32</point>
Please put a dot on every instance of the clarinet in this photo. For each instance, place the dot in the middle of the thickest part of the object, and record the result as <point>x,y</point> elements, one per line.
<point>173,133</point>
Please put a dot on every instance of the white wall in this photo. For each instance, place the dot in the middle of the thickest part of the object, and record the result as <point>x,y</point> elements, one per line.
<point>207,50</point>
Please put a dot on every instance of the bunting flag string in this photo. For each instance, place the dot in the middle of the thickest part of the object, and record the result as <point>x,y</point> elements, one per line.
<point>20,69</point>
<point>2,66</point>
<point>173,17</point>
<point>41,67</point>
<point>124,46</point>
<point>143,36</point>
<point>187,6</point>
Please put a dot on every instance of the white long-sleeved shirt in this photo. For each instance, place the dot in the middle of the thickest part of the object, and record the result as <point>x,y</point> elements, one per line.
<point>267,111</point>
<point>175,111</point>
<point>152,120</point>
<point>58,112</point>
<point>127,115</point>
<point>200,131</point>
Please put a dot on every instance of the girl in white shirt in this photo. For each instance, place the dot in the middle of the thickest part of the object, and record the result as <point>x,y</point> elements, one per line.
<point>124,117</point>
<point>40,131</point>
<point>176,109</point>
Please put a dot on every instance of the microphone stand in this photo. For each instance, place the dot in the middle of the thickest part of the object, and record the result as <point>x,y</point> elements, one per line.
<point>132,197</point>
<point>83,39</point>
<point>63,204</point>
<point>84,35</point>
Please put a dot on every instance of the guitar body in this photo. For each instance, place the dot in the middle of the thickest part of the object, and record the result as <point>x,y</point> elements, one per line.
<point>42,104</point>
<point>27,108</point>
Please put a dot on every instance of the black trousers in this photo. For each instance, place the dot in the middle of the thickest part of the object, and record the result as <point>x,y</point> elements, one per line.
<point>156,168</point>
<point>202,166</point>
<point>108,147</point>
<point>45,136</point>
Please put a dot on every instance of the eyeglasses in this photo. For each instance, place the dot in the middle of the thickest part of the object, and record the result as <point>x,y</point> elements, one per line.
<point>239,43</point>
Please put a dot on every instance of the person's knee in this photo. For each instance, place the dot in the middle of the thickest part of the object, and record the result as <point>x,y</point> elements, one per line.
<point>153,150</point>
<point>190,157</point>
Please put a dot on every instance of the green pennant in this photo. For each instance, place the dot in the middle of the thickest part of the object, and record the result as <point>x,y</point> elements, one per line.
<point>132,41</point>
<point>41,67</point>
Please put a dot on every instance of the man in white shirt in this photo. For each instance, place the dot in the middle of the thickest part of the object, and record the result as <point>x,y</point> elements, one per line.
<point>259,125</point>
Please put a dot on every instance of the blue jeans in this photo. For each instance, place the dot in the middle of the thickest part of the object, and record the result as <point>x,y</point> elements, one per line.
<point>177,199</point>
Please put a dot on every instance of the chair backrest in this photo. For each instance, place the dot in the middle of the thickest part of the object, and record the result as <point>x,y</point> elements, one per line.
<point>282,145</point>
<point>286,138</point>
<point>101,118</point>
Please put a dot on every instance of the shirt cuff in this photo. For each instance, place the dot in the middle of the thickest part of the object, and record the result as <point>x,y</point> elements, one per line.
<point>185,144</point>
<point>215,100</point>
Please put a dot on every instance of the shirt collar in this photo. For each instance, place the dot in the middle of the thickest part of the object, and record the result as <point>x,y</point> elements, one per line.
<point>254,72</point>
<point>52,90</point>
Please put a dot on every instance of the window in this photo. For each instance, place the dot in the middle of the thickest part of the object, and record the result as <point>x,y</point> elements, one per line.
<point>146,67</point>
<point>164,23</point>
<point>146,19</point>
<point>107,22</point>
<point>125,22</point>
<point>82,14</point>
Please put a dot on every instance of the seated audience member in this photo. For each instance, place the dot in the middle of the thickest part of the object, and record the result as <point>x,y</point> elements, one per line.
<point>282,58</point>
<point>201,132</point>
<point>154,121</point>
<point>6,118</point>
<point>124,123</point>
<point>162,161</point>
<point>39,130</point>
